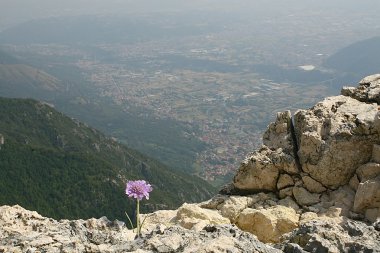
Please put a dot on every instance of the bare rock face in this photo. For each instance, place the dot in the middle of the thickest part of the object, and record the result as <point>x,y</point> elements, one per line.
<point>260,171</point>
<point>325,159</point>
<point>329,236</point>
<point>25,231</point>
<point>335,137</point>
<point>367,195</point>
<point>304,197</point>
<point>189,215</point>
<point>268,224</point>
<point>368,90</point>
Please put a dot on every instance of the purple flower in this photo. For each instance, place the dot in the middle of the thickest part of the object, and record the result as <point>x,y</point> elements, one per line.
<point>138,189</point>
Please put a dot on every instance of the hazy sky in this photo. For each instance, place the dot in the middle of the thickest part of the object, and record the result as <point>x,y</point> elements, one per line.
<point>15,11</point>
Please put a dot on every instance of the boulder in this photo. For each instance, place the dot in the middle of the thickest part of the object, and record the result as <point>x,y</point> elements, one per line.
<point>260,171</point>
<point>368,90</point>
<point>268,224</point>
<point>284,181</point>
<point>368,195</point>
<point>188,215</point>
<point>160,217</point>
<point>368,171</point>
<point>334,138</point>
<point>278,133</point>
<point>327,235</point>
<point>376,153</point>
<point>312,185</point>
<point>354,182</point>
<point>304,197</point>
<point>342,198</point>
<point>286,192</point>
<point>233,206</point>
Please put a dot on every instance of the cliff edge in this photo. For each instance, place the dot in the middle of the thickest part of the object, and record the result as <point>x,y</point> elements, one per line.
<point>314,186</point>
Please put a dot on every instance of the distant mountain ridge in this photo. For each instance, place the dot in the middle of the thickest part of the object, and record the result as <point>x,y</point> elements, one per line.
<point>65,169</point>
<point>359,59</point>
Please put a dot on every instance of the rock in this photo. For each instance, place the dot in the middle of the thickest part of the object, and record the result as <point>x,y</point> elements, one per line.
<point>278,133</point>
<point>354,182</point>
<point>368,90</point>
<point>284,181</point>
<point>342,198</point>
<point>233,206</point>
<point>287,192</point>
<point>376,225</point>
<point>312,185</point>
<point>372,214</point>
<point>189,215</point>
<point>305,198</point>
<point>368,195</point>
<point>18,234</point>
<point>308,216</point>
<point>376,153</point>
<point>226,238</point>
<point>368,171</point>
<point>161,217</point>
<point>334,138</point>
<point>260,171</point>
<point>214,202</point>
<point>293,248</point>
<point>333,212</point>
<point>330,236</point>
<point>288,202</point>
<point>268,224</point>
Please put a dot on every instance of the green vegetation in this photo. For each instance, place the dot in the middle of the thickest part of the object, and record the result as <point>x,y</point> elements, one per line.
<point>65,169</point>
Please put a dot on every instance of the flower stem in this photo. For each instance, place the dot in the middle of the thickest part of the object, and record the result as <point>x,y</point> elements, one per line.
<point>138,218</point>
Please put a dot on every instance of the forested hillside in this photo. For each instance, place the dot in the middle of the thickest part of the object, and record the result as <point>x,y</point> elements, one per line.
<point>64,169</point>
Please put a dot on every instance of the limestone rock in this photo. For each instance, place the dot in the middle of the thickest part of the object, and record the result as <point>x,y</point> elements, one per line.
<point>160,217</point>
<point>260,171</point>
<point>304,197</point>
<point>368,195</point>
<point>312,185</point>
<point>284,181</point>
<point>376,153</point>
<point>286,192</point>
<point>268,224</point>
<point>342,198</point>
<point>25,231</point>
<point>334,138</point>
<point>288,202</point>
<point>368,90</point>
<point>189,215</point>
<point>372,214</point>
<point>233,206</point>
<point>278,133</point>
<point>368,171</point>
<point>330,236</point>
<point>354,182</point>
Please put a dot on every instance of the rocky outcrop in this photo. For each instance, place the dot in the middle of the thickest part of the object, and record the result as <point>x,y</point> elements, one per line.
<point>25,231</point>
<point>335,137</point>
<point>324,157</point>
<point>330,236</point>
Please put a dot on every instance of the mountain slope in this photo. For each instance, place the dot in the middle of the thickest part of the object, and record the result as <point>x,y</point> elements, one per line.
<point>359,59</point>
<point>63,168</point>
<point>63,85</point>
